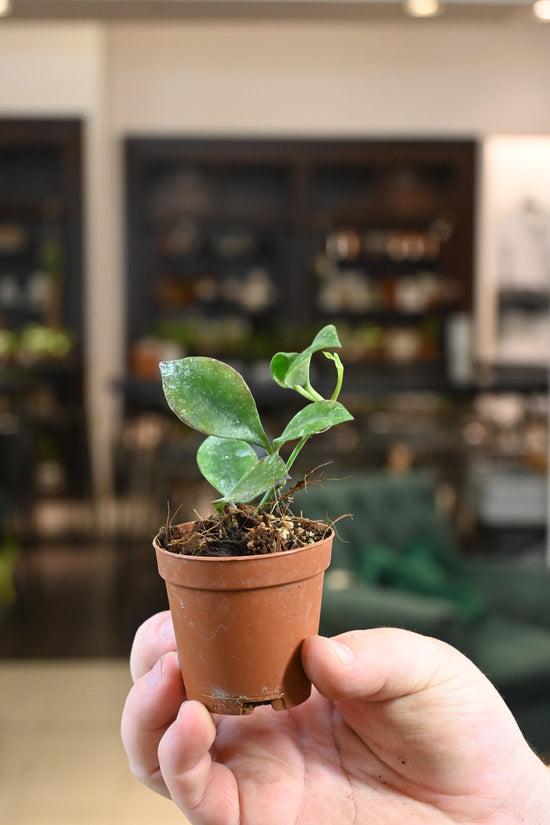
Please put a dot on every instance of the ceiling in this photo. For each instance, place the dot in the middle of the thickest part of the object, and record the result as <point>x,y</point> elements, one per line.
<point>258,9</point>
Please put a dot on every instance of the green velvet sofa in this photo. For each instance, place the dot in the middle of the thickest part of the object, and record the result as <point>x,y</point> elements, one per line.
<point>396,563</point>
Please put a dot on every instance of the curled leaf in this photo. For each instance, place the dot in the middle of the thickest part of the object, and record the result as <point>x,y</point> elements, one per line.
<point>291,369</point>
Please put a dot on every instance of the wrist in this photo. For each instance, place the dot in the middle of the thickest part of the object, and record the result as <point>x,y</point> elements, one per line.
<point>539,812</point>
<point>529,802</point>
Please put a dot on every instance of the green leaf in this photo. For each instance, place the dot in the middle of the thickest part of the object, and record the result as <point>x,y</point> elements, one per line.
<point>316,417</point>
<point>212,397</point>
<point>291,369</point>
<point>223,461</point>
<point>280,365</point>
<point>268,473</point>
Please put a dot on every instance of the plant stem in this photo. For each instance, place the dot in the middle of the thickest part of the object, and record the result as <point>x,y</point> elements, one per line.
<point>292,458</point>
<point>339,373</point>
<point>294,454</point>
<point>271,492</point>
<point>308,392</point>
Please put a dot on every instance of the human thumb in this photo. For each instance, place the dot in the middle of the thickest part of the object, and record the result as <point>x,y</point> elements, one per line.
<point>381,664</point>
<point>426,711</point>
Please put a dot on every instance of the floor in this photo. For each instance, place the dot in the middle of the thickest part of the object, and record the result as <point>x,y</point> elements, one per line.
<point>64,676</point>
<point>61,759</point>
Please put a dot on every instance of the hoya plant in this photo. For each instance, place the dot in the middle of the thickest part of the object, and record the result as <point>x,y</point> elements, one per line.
<point>238,458</point>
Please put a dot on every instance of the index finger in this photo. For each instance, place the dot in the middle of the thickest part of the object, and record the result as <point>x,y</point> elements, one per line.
<point>153,639</point>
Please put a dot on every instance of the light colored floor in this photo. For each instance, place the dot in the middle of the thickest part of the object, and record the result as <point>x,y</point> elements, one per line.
<point>61,760</point>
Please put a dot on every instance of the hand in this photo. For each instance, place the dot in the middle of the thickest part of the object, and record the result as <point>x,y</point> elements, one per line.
<point>400,728</point>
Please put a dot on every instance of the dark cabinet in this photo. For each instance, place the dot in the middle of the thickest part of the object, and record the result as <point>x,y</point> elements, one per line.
<point>41,308</point>
<point>237,247</point>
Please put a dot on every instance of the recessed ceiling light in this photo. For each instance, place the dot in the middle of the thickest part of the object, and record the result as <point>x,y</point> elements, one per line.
<point>542,9</point>
<point>5,7</point>
<point>423,8</point>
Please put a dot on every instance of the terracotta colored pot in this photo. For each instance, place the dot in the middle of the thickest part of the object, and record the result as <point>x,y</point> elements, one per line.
<point>240,623</point>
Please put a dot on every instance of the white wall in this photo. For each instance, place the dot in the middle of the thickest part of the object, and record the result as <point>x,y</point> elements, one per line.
<point>48,69</point>
<point>59,70</point>
<point>411,78</point>
<point>419,77</point>
<point>513,168</point>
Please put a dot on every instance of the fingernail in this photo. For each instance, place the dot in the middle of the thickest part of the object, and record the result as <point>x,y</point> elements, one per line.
<point>344,653</point>
<point>166,630</point>
<point>155,674</point>
<point>181,712</point>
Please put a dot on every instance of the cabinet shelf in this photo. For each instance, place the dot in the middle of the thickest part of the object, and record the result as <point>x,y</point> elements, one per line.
<point>373,216</point>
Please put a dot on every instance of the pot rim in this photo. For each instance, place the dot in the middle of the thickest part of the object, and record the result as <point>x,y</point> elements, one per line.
<point>244,572</point>
<point>256,556</point>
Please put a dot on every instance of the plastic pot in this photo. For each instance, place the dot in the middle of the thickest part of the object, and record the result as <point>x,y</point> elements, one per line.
<point>240,622</point>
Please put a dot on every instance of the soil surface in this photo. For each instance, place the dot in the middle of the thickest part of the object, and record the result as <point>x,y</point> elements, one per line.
<point>240,531</point>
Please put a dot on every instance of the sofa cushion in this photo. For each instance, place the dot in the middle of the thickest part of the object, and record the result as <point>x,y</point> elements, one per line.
<point>396,537</point>
<point>381,508</point>
<point>358,606</point>
<point>420,568</point>
<point>514,655</point>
